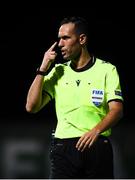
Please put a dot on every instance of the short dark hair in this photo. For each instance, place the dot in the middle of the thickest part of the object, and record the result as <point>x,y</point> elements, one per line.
<point>81,25</point>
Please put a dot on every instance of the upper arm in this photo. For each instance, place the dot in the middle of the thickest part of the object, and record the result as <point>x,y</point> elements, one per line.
<point>45,99</point>
<point>116,106</point>
<point>113,86</point>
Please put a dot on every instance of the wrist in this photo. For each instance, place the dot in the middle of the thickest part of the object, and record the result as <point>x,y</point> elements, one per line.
<point>97,132</point>
<point>41,72</point>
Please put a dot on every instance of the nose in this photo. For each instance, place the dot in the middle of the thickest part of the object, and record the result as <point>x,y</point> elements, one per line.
<point>60,44</point>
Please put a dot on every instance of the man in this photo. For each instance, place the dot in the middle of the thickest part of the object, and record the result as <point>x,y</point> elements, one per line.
<point>88,103</point>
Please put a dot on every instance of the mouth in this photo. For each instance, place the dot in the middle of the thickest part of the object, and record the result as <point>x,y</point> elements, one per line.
<point>63,52</point>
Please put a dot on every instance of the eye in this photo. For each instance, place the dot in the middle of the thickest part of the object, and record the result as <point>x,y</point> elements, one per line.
<point>65,37</point>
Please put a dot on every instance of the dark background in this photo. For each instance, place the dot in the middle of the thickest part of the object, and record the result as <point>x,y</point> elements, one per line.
<point>27,30</point>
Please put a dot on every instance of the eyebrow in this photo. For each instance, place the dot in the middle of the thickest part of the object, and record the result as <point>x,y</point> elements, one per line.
<point>64,37</point>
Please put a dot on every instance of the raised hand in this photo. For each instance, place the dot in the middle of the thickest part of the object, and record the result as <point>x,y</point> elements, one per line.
<point>49,58</point>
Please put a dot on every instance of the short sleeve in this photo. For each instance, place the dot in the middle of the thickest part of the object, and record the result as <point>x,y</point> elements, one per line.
<point>49,82</point>
<point>113,87</point>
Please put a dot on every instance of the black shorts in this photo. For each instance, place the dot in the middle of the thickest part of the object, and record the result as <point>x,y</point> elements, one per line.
<point>67,162</point>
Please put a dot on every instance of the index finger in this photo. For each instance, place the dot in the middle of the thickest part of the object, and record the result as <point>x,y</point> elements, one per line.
<point>52,47</point>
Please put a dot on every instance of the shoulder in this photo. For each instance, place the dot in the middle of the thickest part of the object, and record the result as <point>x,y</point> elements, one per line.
<point>105,63</point>
<point>59,68</point>
<point>63,66</point>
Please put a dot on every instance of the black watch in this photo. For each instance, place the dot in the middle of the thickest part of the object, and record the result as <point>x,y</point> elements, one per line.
<point>41,72</point>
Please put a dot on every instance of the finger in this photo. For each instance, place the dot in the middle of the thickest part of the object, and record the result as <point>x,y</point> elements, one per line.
<point>80,147</point>
<point>85,145</point>
<point>53,53</point>
<point>52,47</point>
<point>79,142</point>
<point>92,141</point>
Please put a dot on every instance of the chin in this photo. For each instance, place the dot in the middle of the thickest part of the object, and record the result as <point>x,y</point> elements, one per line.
<point>65,58</point>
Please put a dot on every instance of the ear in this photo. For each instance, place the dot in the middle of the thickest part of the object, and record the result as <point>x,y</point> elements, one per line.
<point>83,39</point>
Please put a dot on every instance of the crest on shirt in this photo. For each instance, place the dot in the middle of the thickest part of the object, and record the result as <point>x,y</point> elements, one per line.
<point>97,96</point>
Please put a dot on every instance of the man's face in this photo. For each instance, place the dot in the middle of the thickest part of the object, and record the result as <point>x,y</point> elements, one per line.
<point>69,41</point>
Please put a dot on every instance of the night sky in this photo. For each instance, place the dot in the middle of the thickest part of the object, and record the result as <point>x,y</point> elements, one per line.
<point>27,31</point>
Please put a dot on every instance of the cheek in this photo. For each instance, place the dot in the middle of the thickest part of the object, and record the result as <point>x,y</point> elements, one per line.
<point>75,47</point>
<point>76,50</point>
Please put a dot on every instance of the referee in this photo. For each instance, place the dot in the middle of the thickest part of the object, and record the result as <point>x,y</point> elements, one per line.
<point>88,101</point>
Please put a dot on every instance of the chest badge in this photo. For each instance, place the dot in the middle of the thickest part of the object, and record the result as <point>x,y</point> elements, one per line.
<point>97,96</point>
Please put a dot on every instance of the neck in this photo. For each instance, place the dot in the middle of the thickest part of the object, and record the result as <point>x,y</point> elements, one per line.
<point>82,61</point>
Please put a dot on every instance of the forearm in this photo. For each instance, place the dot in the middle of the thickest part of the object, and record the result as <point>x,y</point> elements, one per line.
<point>109,120</point>
<point>34,97</point>
<point>114,115</point>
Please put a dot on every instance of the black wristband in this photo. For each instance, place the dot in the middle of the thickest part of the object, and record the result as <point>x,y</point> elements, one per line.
<point>41,72</point>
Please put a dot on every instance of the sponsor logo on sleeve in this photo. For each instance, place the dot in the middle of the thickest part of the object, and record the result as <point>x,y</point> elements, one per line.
<point>118,93</point>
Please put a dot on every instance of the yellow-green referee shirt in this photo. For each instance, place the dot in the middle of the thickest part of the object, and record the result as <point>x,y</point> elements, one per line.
<point>81,98</point>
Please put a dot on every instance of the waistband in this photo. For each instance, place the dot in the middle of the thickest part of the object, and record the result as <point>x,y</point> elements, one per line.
<point>75,139</point>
